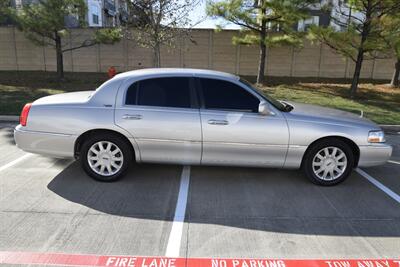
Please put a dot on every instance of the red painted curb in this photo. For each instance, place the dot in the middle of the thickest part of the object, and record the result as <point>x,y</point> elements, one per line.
<point>55,259</point>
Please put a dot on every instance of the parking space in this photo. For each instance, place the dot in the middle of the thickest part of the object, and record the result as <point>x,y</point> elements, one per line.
<point>389,174</point>
<point>272,213</point>
<point>50,205</point>
<point>9,150</point>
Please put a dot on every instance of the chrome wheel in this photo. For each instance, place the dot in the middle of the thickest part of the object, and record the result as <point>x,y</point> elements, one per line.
<point>329,163</point>
<point>105,158</point>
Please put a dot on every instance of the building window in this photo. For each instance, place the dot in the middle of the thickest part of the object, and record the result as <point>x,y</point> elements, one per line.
<point>305,24</point>
<point>95,19</point>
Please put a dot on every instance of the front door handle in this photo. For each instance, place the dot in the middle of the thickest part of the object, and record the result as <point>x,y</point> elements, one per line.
<point>132,117</point>
<point>218,122</point>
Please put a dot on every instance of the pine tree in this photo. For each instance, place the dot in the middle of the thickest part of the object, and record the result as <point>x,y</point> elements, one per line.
<point>44,24</point>
<point>259,18</point>
<point>360,39</point>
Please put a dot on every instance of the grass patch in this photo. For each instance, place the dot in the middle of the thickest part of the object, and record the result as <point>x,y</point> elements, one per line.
<point>379,102</point>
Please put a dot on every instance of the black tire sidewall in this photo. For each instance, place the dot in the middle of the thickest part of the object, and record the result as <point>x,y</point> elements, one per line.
<point>307,164</point>
<point>120,143</point>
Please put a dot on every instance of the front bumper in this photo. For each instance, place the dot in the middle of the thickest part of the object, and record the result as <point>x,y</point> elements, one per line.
<point>44,143</point>
<point>373,155</point>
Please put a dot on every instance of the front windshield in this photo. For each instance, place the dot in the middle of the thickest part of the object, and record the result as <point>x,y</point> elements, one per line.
<point>271,100</point>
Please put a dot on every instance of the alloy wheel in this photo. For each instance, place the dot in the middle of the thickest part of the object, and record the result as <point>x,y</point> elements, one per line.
<point>105,158</point>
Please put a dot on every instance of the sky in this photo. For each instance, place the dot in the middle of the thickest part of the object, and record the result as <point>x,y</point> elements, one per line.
<point>199,14</point>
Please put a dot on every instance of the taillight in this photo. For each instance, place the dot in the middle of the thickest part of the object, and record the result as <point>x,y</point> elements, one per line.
<point>24,114</point>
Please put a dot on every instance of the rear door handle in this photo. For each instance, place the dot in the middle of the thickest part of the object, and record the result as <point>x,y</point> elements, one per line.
<point>132,117</point>
<point>218,122</point>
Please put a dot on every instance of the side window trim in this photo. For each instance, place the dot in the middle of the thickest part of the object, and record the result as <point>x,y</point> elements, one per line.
<point>137,92</point>
<point>200,94</point>
<point>194,100</point>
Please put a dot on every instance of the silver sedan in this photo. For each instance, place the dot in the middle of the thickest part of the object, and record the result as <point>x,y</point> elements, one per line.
<point>198,117</point>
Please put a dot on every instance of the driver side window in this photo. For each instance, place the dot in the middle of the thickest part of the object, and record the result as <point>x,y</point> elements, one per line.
<point>224,95</point>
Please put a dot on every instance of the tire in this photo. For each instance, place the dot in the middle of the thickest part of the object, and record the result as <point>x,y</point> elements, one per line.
<point>115,166</point>
<point>317,163</point>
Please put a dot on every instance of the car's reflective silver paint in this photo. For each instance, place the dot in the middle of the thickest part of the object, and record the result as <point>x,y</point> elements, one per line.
<point>191,136</point>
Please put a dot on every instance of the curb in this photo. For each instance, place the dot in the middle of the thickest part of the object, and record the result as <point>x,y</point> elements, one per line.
<point>9,118</point>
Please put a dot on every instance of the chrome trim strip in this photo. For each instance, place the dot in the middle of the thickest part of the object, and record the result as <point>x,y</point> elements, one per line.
<point>43,133</point>
<point>245,144</point>
<point>376,146</point>
<point>210,143</point>
<point>165,140</point>
<point>139,108</point>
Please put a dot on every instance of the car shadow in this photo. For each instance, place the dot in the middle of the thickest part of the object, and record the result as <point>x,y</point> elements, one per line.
<point>8,134</point>
<point>247,198</point>
<point>145,192</point>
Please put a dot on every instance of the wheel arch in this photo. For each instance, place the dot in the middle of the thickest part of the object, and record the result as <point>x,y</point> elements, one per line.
<point>79,141</point>
<point>354,148</point>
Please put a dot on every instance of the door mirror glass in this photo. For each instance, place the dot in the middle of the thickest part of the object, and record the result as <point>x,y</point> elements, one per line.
<point>263,108</point>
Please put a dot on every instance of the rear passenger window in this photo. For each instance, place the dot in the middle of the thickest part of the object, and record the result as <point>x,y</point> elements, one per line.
<point>223,95</point>
<point>161,92</point>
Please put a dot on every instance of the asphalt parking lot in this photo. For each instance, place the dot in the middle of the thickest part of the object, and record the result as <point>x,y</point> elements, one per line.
<point>50,205</point>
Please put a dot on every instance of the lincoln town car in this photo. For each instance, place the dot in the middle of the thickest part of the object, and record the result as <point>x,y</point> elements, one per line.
<point>197,117</point>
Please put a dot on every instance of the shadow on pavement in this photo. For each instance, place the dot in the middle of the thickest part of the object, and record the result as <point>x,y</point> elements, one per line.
<point>8,135</point>
<point>248,198</point>
<point>145,192</point>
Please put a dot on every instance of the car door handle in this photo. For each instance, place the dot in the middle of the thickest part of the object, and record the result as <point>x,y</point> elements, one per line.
<point>132,117</point>
<point>218,122</point>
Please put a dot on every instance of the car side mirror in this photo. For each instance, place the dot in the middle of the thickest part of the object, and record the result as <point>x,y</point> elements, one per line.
<point>263,108</point>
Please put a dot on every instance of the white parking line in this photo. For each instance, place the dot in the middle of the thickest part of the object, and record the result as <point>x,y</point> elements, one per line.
<point>12,163</point>
<point>378,184</point>
<point>394,162</point>
<point>175,236</point>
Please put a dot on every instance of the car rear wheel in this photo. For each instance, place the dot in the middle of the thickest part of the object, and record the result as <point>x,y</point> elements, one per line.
<point>105,157</point>
<point>328,162</point>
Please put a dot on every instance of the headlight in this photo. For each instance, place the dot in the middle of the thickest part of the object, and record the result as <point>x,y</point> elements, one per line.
<point>376,137</point>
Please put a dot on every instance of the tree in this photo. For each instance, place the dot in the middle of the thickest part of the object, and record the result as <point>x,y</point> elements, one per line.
<point>391,37</point>
<point>159,22</point>
<point>362,39</point>
<point>44,23</point>
<point>5,15</point>
<point>258,18</point>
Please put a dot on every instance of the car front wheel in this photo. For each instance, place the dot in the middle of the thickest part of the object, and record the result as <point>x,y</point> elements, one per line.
<point>328,162</point>
<point>105,158</point>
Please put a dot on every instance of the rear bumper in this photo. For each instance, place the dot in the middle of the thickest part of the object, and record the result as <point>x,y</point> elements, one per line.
<point>374,155</point>
<point>48,144</point>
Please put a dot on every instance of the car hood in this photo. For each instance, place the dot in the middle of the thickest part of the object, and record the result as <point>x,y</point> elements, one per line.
<point>328,115</point>
<point>66,98</point>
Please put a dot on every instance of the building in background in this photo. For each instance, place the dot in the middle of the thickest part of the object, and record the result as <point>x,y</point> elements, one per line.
<point>321,14</point>
<point>106,13</point>
<point>100,13</point>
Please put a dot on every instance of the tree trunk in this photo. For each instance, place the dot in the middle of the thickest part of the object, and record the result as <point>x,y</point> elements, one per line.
<point>263,48</point>
<point>395,79</point>
<point>59,55</point>
<point>366,29</point>
<point>156,56</point>
<point>261,64</point>
<point>357,73</point>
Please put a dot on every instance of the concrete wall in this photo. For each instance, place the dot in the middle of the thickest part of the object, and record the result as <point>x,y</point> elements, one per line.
<point>205,49</point>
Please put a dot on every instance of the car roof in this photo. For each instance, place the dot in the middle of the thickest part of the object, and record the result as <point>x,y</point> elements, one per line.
<point>154,72</point>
